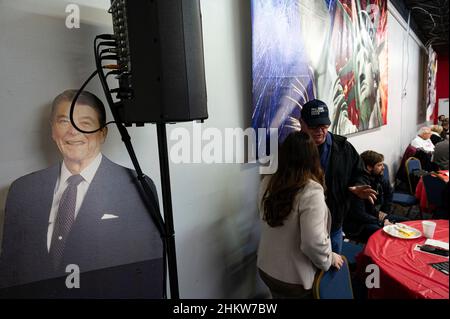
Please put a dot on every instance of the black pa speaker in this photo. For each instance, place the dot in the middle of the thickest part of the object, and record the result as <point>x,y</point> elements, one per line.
<point>160,56</point>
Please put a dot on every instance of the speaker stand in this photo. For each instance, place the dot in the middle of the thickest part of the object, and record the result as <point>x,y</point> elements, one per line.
<point>168,213</point>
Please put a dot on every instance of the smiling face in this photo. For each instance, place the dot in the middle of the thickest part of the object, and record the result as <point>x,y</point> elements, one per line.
<point>78,149</point>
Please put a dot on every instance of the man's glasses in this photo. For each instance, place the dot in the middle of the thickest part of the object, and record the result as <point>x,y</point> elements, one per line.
<point>321,127</point>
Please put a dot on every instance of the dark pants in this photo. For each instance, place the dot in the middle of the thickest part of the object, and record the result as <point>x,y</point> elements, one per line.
<point>336,241</point>
<point>369,229</point>
<point>283,290</point>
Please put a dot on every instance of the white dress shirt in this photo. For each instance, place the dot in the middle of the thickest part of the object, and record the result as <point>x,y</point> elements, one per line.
<point>61,184</point>
<point>426,145</point>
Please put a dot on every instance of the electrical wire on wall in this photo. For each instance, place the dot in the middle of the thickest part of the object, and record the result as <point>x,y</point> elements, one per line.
<point>403,92</point>
<point>406,38</point>
<point>429,42</point>
<point>405,62</point>
<point>405,54</point>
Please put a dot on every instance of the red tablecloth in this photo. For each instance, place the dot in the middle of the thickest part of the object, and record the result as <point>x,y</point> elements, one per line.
<point>421,194</point>
<point>405,273</point>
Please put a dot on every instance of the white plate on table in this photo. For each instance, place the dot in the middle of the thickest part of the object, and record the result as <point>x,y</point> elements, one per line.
<point>402,231</point>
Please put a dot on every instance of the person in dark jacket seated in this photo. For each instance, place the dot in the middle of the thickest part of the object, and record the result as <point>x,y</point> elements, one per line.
<point>364,217</point>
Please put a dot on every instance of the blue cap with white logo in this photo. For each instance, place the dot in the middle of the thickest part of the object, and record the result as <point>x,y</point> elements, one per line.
<point>315,113</point>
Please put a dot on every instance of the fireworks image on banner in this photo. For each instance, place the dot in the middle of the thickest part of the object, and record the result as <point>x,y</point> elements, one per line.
<point>335,51</point>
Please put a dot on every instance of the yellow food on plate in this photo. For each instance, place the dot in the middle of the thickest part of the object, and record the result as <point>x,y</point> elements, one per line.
<point>404,231</point>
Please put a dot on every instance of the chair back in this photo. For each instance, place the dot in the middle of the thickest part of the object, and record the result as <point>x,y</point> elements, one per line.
<point>410,151</point>
<point>352,249</point>
<point>334,284</point>
<point>434,188</point>
<point>412,164</point>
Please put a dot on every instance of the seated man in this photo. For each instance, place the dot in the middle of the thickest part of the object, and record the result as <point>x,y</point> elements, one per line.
<point>440,157</point>
<point>423,141</point>
<point>85,214</point>
<point>366,218</point>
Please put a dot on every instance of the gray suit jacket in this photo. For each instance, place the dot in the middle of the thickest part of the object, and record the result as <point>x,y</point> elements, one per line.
<point>94,243</point>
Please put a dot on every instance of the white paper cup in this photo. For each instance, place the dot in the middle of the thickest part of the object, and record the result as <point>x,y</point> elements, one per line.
<point>428,228</point>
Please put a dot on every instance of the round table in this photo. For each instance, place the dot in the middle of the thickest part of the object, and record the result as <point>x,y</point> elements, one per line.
<point>404,272</point>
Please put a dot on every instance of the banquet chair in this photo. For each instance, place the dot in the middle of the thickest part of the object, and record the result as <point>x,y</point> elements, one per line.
<point>401,172</point>
<point>334,284</point>
<point>434,188</point>
<point>402,199</point>
<point>350,249</point>
<point>412,167</point>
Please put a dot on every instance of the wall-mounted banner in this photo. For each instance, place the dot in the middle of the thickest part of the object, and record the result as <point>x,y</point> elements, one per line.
<point>432,67</point>
<point>335,51</point>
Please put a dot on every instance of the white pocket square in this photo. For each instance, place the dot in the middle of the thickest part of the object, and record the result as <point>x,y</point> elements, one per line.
<point>109,216</point>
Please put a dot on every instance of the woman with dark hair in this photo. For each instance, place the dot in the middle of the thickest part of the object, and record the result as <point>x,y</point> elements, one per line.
<point>295,239</point>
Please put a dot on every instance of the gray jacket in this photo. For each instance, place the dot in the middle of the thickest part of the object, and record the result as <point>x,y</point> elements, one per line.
<point>440,156</point>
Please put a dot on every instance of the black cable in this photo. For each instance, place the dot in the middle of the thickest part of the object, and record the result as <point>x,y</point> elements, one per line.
<point>74,101</point>
<point>108,43</point>
<point>155,212</point>
<point>165,260</point>
<point>110,57</point>
<point>109,50</point>
<point>113,72</point>
<point>112,43</point>
<point>123,132</point>
<point>72,107</point>
<point>106,36</point>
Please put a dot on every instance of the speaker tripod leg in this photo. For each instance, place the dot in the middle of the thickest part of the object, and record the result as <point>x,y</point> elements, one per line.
<point>168,213</point>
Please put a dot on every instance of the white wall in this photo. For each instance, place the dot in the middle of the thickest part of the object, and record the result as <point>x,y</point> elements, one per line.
<point>404,117</point>
<point>214,205</point>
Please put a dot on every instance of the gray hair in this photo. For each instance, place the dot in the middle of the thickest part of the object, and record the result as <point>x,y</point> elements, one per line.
<point>85,98</point>
<point>423,130</point>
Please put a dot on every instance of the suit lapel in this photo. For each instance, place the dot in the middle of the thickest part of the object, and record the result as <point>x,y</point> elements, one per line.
<point>37,242</point>
<point>91,209</point>
<point>44,205</point>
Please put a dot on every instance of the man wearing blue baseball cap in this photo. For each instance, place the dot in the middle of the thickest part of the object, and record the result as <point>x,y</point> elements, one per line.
<point>342,165</point>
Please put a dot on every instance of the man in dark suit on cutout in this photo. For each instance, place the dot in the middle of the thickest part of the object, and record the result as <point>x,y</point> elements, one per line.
<point>85,211</point>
